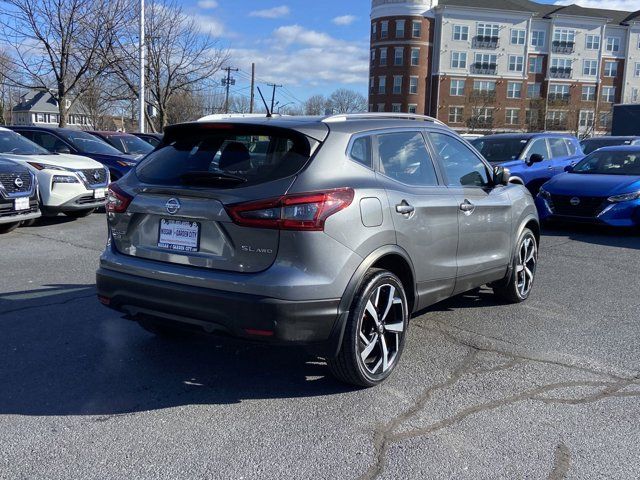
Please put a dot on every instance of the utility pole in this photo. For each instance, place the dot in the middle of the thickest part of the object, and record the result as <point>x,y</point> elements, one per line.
<point>227,82</point>
<point>273,95</point>
<point>142,46</point>
<point>253,85</point>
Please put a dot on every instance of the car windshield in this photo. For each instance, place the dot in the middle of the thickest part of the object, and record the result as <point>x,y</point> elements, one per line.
<point>11,142</point>
<point>593,144</point>
<point>130,144</point>
<point>87,143</point>
<point>497,150</point>
<point>610,163</point>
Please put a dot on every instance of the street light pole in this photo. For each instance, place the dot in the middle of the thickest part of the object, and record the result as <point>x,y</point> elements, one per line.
<point>142,47</point>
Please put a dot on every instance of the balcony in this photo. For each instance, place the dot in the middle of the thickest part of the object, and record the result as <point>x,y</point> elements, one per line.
<point>486,43</point>
<point>559,98</point>
<point>563,47</point>
<point>487,96</point>
<point>484,68</point>
<point>560,72</point>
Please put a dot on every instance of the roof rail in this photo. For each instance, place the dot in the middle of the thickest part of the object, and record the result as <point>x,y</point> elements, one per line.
<point>343,117</point>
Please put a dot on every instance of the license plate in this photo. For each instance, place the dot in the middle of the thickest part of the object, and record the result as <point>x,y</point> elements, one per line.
<point>99,193</point>
<point>179,235</point>
<point>22,203</point>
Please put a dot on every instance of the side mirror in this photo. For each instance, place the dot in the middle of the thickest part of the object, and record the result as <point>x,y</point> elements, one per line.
<point>501,176</point>
<point>63,149</point>
<point>569,168</point>
<point>535,158</point>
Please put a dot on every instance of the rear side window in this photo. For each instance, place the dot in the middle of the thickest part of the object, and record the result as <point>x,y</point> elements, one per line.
<point>404,157</point>
<point>361,151</point>
<point>462,166</point>
<point>571,146</point>
<point>225,156</point>
<point>558,148</point>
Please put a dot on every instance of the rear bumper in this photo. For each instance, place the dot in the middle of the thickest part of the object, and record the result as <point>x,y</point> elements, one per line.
<point>251,317</point>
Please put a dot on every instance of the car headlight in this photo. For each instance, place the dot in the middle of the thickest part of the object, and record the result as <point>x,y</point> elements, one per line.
<point>625,197</point>
<point>544,194</point>
<point>44,166</point>
<point>65,179</point>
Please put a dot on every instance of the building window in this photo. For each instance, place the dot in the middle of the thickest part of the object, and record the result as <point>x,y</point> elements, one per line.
<point>371,107</point>
<point>461,32</point>
<point>397,84</point>
<point>413,85</point>
<point>513,116</point>
<point>488,30</point>
<point>384,29</point>
<point>484,86</point>
<point>534,90</point>
<point>605,120</point>
<point>587,118</point>
<point>538,38</point>
<point>514,90</point>
<point>564,35</point>
<point>374,29</point>
<point>483,114</point>
<point>589,93</point>
<point>610,69</point>
<point>516,63</point>
<point>637,69</point>
<point>518,37</point>
<point>415,57</point>
<point>559,89</point>
<point>457,88</point>
<point>535,65</point>
<point>557,118</point>
<point>398,58</point>
<point>372,86</point>
<point>400,28</point>
<point>486,61</point>
<point>593,42</point>
<point>373,55</point>
<point>613,44</point>
<point>590,68</point>
<point>413,108</point>
<point>458,59</point>
<point>456,114</point>
<point>382,85</point>
<point>39,117</point>
<point>417,29</point>
<point>561,63</point>
<point>609,94</point>
<point>396,107</point>
<point>635,95</point>
<point>383,57</point>
<point>381,107</point>
<point>532,117</point>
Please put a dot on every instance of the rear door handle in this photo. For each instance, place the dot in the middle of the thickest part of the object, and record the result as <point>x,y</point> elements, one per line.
<point>404,208</point>
<point>467,207</point>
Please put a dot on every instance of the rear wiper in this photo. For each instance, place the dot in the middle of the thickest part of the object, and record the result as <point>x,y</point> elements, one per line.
<point>211,178</point>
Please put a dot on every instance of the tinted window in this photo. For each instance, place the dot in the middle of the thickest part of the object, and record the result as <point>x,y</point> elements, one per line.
<point>610,163</point>
<point>497,150</point>
<point>462,166</point>
<point>361,151</point>
<point>11,142</point>
<point>130,144</point>
<point>558,148</point>
<point>539,147</point>
<point>48,141</point>
<point>592,145</point>
<point>85,142</point>
<point>404,157</point>
<point>571,146</point>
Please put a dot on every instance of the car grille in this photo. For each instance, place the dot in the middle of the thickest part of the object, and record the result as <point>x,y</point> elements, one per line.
<point>588,206</point>
<point>6,209</point>
<point>95,176</point>
<point>8,180</point>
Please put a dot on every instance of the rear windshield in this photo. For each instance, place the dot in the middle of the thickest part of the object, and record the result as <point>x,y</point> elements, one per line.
<point>589,146</point>
<point>130,144</point>
<point>500,150</point>
<point>225,157</point>
<point>87,143</point>
<point>610,163</point>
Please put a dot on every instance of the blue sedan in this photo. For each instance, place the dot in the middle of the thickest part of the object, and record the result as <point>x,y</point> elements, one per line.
<point>603,188</point>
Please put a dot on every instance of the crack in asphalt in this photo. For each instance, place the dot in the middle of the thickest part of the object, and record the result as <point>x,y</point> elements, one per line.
<point>64,242</point>
<point>561,462</point>
<point>51,304</point>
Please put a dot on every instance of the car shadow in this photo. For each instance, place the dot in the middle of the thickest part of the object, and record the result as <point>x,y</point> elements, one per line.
<point>62,353</point>
<point>594,234</point>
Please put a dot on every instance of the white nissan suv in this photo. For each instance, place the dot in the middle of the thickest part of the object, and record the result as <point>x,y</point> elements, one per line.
<point>70,184</point>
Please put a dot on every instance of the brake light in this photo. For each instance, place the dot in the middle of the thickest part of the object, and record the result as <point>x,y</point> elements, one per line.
<point>117,199</point>
<point>307,211</point>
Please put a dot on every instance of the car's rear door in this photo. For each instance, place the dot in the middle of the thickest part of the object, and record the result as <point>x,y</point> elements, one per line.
<point>483,212</point>
<point>423,210</point>
<point>560,154</point>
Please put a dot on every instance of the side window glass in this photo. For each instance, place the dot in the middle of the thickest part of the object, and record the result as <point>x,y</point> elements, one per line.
<point>571,147</point>
<point>539,146</point>
<point>462,166</point>
<point>558,147</point>
<point>404,157</point>
<point>361,151</point>
<point>46,140</point>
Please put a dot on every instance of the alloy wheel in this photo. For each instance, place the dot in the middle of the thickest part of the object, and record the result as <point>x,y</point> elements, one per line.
<point>526,265</point>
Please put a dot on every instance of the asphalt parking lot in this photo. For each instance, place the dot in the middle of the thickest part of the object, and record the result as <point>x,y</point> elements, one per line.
<point>548,389</point>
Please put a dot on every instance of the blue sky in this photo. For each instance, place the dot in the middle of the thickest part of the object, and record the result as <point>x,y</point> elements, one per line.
<point>308,46</point>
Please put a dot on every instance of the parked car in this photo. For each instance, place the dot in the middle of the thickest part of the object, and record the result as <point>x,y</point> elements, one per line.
<point>76,142</point>
<point>18,195</point>
<point>334,250</point>
<point>603,188</point>
<point>532,158</point>
<point>153,139</point>
<point>70,184</point>
<point>125,143</point>
<point>591,144</point>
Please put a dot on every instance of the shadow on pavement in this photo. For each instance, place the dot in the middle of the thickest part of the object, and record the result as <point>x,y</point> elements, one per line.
<point>594,234</point>
<point>62,353</point>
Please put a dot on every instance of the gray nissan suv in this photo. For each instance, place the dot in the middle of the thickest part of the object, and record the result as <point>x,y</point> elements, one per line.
<point>323,232</point>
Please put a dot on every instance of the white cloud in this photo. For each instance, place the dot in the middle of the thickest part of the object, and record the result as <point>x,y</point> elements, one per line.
<point>295,34</point>
<point>208,4</point>
<point>275,12</point>
<point>210,25</point>
<point>344,20</point>
<point>625,5</point>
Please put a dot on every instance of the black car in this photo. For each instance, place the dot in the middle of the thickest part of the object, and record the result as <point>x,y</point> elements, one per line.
<point>125,142</point>
<point>152,139</point>
<point>592,144</point>
<point>77,142</point>
<point>18,195</point>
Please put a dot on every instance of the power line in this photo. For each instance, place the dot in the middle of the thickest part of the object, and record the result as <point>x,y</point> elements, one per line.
<point>227,82</point>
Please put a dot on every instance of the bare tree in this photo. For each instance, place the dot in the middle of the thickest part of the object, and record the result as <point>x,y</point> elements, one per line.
<point>181,57</point>
<point>56,43</point>
<point>347,101</point>
<point>239,104</point>
<point>315,105</point>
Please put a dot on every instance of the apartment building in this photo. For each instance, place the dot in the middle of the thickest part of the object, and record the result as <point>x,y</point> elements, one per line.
<point>504,65</point>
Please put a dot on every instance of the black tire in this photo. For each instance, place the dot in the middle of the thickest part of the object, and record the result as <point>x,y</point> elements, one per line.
<point>162,329</point>
<point>9,227</point>
<point>28,223</point>
<point>348,366</point>
<point>512,289</point>
<point>79,213</point>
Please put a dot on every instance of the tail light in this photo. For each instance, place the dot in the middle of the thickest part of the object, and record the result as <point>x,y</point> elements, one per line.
<point>307,211</point>
<point>117,199</point>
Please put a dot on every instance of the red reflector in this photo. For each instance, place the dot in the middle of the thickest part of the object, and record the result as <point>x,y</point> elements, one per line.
<point>104,300</point>
<point>260,333</point>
